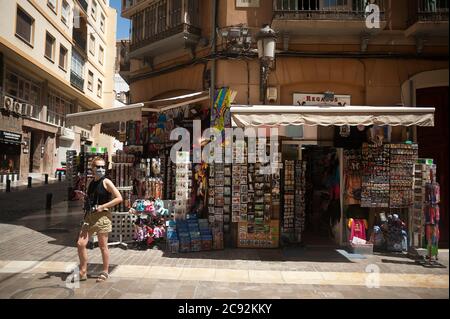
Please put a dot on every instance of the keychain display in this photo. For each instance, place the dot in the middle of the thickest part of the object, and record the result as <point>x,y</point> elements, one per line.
<point>375,178</point>
<point>402,160</point>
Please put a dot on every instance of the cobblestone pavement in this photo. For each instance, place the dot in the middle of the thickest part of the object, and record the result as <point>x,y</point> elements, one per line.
<point>37,253</point>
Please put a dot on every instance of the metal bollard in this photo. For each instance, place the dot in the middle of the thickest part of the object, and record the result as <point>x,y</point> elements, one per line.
<point>48,202</point>
<point>46,178</point>
<point>8,185</point>
<point>29,181</point>
<point>59,176</point>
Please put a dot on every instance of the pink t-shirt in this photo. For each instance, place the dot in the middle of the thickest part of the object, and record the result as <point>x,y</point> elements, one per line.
<point>357,228</point>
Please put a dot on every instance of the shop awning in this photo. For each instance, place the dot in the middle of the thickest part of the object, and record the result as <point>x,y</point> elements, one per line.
<point>278,115</point>
<point>162,105</point>
<point>132,112</point>
<point>114,114</point>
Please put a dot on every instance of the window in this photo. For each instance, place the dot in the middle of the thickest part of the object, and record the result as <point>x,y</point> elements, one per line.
<point>52,5</point>
<point>49,47</point>
<point>77,65</point>
<point>102,22</point>
<point>94,10</point>
<point>24,26</point>
<point>21,88</point>
<point>99,88</point>
<point>92,44</point>
<point>62,57</point>
<point>101,54</point>
<point>65,12</point>
<point>90,81</point>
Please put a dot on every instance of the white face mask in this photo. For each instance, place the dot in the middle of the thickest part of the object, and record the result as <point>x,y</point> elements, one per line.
<point>100,172</point>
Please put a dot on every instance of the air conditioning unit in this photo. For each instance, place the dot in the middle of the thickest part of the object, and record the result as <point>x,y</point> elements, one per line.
<point>17,108</point>
<point>272,94</point>
<point>7,103</point>
<point>27,110</point>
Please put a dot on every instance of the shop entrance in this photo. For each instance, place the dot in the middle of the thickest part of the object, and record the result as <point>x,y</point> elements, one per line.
<point>322,191</point>
<point>35,152</point>
<point>322,195</point>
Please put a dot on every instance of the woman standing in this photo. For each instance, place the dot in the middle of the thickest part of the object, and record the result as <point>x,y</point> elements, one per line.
<point>98,220</point>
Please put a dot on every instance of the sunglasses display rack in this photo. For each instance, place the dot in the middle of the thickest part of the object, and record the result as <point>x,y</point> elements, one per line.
<point>402,160</point>
<point>289,199</point>
<point>122,175</point>
<point>71,172</point>
<point>375,179</point>
<point>422,176</point>
<point>182,185</point>
<point>300,203</point>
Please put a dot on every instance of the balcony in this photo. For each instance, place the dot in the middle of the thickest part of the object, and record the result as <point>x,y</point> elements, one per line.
<point>325,17</point>
<point>77,81</point>
<point>130,7</point>
<point>165,26</point>
<point>427,18</point>
<point>80,41</point>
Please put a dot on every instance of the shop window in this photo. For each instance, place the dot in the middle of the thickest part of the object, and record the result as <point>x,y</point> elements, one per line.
<point>24,26</point>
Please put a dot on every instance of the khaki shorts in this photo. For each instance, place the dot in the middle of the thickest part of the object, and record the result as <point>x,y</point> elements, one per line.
<point>99,223</point>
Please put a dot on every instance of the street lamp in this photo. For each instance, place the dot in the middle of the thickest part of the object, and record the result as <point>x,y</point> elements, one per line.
<point>266,39</point>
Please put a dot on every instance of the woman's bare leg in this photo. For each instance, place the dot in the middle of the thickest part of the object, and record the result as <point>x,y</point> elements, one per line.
<point>82,251</point>
<point>103,244</point>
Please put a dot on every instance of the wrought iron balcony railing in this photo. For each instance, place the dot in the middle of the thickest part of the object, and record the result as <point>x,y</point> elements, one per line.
<point>323,10</point>
<point>163,19</point>
<point>77,81</point>
<point>427,10</point>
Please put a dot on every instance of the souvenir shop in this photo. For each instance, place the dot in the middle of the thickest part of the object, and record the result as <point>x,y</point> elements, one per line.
<point>366,189</point>
<point>360,190</point>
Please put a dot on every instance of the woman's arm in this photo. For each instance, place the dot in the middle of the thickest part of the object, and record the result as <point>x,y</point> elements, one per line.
<point>117,197</point>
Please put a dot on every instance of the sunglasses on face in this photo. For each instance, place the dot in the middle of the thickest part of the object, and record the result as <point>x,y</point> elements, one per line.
<point>100,166</point>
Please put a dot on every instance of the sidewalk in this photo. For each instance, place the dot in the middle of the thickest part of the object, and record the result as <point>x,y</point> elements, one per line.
<point>38,252</point>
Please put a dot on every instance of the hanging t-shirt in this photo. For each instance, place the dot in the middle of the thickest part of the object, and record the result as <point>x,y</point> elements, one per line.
<point>357,228</point>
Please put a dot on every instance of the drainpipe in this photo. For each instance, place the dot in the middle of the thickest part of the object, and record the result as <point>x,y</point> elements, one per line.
<point>213,50</point>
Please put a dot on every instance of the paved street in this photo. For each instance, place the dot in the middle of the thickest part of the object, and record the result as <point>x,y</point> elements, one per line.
<point>37,253</point>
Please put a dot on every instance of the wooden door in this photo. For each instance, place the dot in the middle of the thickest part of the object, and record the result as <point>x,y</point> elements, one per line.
<point>433,143</point>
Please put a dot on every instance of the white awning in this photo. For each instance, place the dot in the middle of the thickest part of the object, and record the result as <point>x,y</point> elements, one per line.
<point>176,101</point>
<point>280,115</point>
<point>114,114</point>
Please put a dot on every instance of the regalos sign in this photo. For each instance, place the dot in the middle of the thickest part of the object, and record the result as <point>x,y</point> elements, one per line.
<point>321,100</point>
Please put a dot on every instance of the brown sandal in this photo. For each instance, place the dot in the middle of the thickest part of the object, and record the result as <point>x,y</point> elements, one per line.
<point>102,277</point>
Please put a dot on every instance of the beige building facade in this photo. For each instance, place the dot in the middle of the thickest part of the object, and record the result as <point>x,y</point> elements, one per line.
<point>56,58</point>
